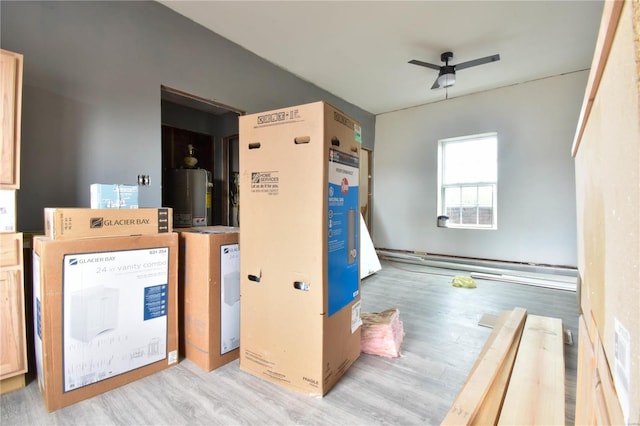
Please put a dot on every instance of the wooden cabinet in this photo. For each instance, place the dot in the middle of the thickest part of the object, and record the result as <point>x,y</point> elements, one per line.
<point>10,116</point>
<point>13,340</point>
<point>13,358</point>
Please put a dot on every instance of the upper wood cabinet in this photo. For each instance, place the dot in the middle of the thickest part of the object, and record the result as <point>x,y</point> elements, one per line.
<point>10,116</point>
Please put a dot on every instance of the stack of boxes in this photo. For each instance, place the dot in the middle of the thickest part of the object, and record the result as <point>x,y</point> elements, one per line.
<point>299,269</point>
<point>105,300</point>
<point>109,283</point>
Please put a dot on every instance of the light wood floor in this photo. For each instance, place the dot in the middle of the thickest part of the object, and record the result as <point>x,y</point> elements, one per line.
<point>441,344</point>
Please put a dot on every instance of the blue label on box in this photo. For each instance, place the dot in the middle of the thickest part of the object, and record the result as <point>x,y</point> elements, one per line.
<point>155,301</point>
<point>343,220</point>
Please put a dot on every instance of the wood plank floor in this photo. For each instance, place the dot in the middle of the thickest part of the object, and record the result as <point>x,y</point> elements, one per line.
<point>442,341</point>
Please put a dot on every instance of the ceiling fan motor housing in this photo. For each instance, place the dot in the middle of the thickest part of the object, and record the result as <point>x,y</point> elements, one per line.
<point>447,69</point>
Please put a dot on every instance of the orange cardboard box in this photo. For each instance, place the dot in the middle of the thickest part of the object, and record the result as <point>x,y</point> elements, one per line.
<point>209,279</point>
<point>105,313</point>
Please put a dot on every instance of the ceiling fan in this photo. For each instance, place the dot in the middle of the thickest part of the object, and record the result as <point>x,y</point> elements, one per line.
<point>447,73</point>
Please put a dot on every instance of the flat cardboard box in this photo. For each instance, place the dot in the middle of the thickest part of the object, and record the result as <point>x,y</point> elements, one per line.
<point>105,313</point>
<point>113,196</point>
<point>64,223</point>
<point>209,277</point>
<point>300,252</point>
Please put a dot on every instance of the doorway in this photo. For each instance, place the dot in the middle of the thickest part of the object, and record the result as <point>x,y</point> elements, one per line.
<point>366,186</point>
<point>207,131</point>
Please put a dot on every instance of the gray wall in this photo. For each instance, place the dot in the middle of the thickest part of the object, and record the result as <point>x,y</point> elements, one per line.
<point>91,94</point>
<point>535,123</point>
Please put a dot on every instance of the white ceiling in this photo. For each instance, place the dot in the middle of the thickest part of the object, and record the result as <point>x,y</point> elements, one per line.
<point>358,50</point>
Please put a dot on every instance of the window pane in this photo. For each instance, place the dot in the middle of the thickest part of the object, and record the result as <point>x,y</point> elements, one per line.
<point>454,214</point>
<point>452,196</point>
<point>470,196</point>
<point>485,215</point>
<point>469,215</point>
<point>485,195</point>
<point>470,161</point>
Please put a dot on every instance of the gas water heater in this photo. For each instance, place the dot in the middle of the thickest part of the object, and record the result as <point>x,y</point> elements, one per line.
<point>189,194</point>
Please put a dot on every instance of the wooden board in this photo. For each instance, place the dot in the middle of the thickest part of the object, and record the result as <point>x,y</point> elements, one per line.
<point>490,409</point>
<point>471,396</point>
<point>536,388</point>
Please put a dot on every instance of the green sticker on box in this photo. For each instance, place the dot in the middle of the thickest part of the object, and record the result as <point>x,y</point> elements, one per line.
<point>358,133</point>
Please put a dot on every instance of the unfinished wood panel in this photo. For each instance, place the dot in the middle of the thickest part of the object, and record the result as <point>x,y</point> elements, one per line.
<point>585,414</point>
<point>13,356</point>
<point>608,23</point>
<point>608,409</point>
<point>472,394</point>
<point>608,206</point>
<point>536,389</point>
<point>10,117</point>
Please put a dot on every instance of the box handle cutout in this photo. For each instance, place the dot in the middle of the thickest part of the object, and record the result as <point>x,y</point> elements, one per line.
<point>335,141</point>
<point>302,139</point>
<point>301,285</point>
<point>254,145</point>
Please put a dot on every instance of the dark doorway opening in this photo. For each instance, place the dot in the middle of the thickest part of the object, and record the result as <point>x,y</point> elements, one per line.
<point>207,131</point>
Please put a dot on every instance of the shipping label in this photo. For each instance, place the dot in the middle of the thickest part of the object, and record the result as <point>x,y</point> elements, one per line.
<point>267,182</point>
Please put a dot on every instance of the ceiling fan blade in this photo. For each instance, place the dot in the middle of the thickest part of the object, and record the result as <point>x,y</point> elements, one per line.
<point>436,85</point>
<point>424,64</point>
<point>480,61</point>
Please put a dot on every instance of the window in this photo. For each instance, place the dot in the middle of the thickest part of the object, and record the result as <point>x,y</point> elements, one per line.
<point>467,180</point>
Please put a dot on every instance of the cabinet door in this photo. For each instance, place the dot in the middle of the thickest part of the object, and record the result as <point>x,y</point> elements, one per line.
<point>13,345</point>
<point>10,117</point>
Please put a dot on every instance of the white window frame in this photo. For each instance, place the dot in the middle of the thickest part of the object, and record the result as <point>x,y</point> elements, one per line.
<point>442,187</point>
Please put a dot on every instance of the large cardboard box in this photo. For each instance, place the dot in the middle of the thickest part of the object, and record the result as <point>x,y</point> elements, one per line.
<point>209,277</point>
<point>299,263</point>
<point>71,223</point>
<point>105,313</point>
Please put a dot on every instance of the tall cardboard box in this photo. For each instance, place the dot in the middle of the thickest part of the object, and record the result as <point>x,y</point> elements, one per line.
<point>105,313</point>
<point>299,246</point>
<point>209,277</point>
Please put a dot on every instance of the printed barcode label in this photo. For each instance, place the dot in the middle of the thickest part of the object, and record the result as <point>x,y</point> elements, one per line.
<point>356,319</point>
